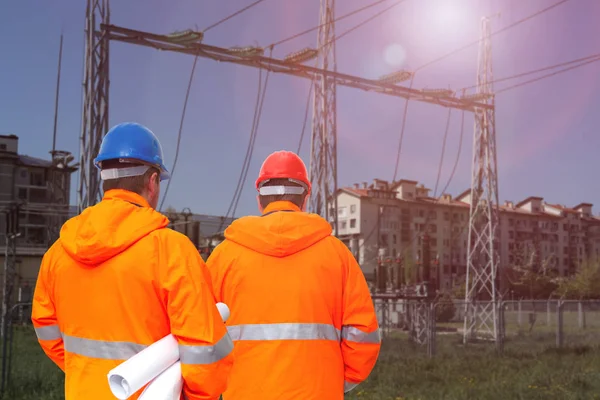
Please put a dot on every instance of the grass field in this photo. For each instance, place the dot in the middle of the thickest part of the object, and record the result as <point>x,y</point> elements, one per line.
<point>529,369</point>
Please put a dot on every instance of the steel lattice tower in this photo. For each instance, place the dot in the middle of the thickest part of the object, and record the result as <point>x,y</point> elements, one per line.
<point>94,122</point>
<point>481,314</point>
<point>323,152</point>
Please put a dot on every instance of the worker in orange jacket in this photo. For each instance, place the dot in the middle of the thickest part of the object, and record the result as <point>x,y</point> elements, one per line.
<point>302,318</point>
<point>117,281</point>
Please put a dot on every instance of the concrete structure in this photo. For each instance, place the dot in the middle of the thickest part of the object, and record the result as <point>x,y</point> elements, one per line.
<point>388,219</point>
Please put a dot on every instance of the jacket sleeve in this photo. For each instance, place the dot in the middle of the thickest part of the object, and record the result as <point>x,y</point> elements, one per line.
<point>217,265</point>
<point>204,344</point>
<point>360,331</point>
<point>43,316</point>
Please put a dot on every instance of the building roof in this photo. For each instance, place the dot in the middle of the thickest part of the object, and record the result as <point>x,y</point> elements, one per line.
<point>34,161</point>
<point>355,192</point>
<point>458,203</point>
<point>529,199</point>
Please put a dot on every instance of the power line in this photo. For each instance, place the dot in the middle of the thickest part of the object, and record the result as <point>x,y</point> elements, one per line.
<point>297,35</point>
<point>493,34</point>
<point>360,24</point>
<point>310,89</point>
<point>248,149</point>
<point>439,173</point>
<point>185,103</point>
<point>462,131</point>
<point>256,123</point>
<point>404,114</point>
<point>534,71</point>
<point>219,22</point>
<point>546,76</point>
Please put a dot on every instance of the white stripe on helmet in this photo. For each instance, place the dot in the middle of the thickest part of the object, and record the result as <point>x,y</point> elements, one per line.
<point>115,173</point>
<point>279,190</point>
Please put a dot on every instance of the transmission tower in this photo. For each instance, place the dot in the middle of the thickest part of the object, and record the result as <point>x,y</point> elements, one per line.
<point>481,314</point>
<point>94,122</point>
<point>323,152</point>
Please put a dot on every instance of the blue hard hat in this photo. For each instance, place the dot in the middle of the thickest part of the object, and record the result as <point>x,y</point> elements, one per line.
<point>132,141</point>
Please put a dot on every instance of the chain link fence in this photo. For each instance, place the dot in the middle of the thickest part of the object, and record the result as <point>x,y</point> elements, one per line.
<point>521,325</point>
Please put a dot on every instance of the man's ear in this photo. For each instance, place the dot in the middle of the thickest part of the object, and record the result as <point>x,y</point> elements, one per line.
<point>305,203</point>
<point>260,207</point>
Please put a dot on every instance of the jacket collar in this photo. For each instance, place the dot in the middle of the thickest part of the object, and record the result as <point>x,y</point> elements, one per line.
<point>280,206</point>
<point>126,195</point>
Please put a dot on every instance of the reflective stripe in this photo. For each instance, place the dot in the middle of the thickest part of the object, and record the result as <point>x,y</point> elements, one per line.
<point>206,354</point>
<point>102,349</point>
<point>50,332</point>
<point>348,386</point>
<point>284,331</point>
<point>352,334</point>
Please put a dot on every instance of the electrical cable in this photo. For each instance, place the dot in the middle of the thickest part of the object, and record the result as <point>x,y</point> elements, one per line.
<point>181,121</point>
<point>439,173</point>
<point>360,24</point>
<point>462,131</point>
<point>297,35</point>
<point>219,22</point>
<point>534,71</point>
<point>404,114</point>
<point>256,124</point>
<point>525,19</point>
<point>546,76</point>
<point>310,89</point>
<point>250,142</point>
<point>427,218</point>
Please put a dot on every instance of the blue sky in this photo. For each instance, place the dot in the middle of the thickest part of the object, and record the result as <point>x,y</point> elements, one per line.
<point>547,132</point>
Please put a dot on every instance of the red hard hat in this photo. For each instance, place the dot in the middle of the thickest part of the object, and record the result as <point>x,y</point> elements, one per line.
<point>283,165</point>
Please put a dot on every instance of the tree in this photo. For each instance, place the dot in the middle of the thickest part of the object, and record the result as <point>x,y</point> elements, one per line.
<point>410,269</point>
<point>530,279</point>
<point>584,284</point>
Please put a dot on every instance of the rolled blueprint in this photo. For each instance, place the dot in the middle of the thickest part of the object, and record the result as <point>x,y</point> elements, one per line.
<point>166,386</point>
<point>133,374</point>
<point>157,359</point>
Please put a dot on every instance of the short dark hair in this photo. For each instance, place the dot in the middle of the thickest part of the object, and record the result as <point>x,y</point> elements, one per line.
<point>134,184</point>
<point>297,199</point>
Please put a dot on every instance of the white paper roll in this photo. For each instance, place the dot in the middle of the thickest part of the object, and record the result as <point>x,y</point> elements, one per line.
<point>133,374</point>
<point>223,310</point>
<point>166,386</point>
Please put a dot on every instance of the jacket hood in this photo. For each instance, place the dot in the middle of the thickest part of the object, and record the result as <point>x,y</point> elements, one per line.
<point>109,227</point>
<point>282,230</point>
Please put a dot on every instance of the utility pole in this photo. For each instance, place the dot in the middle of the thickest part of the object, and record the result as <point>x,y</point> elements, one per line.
<point>481,314</point>
<point>323,151</point>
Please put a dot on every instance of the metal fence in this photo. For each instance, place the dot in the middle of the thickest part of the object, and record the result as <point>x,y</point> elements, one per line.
<point>523,325</point>
<point>435,328</point>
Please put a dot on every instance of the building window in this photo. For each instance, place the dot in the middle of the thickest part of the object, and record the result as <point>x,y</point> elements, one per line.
<point>22,194</point>
<point>394,239</point>
<point>352,208</point>
<point>3,146</point>
<point>23,173</point>
<point>343,225</point>
<point>353,223</point>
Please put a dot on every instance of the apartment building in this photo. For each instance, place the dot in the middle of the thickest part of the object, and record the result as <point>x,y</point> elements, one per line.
<point>385,219</point>
<point>42,188</point>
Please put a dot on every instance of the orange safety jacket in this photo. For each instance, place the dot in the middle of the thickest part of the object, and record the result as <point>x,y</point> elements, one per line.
<point>302,318</point>
<point>116,281</point>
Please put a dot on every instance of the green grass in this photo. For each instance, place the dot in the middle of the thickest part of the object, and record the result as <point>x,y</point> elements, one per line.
<point>33,375</point>
<point>529,369</point>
